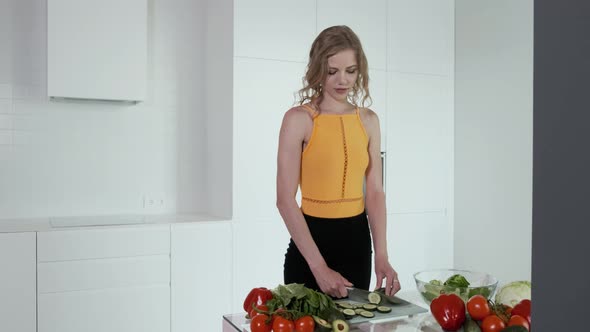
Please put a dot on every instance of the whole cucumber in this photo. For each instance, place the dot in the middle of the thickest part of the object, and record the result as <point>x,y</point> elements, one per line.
<point>471,326</point>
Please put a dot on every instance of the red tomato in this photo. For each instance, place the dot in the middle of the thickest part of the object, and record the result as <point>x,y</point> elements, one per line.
<point>305,324</point>
<point>253,312</point>
<point>282,324</point>
<point>523,308</point>
<point>478,307</point>
<point>277,313</point>
<point>492,323</point>
<point>258,324</point>
<point>517,320</point>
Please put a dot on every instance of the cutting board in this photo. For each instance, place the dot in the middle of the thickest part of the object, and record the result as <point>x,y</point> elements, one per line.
<point>403,309</point>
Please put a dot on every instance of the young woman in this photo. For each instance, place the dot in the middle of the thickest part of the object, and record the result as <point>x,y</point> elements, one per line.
<point>330,146</point>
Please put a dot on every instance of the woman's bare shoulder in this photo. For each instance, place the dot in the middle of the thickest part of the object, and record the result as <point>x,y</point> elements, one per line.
<point>369,117</point>
<point>297,115</point>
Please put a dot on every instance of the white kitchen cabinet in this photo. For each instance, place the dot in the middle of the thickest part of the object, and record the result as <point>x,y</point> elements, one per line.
<point>18,282</point>
<point>420,36</point>
<point>420,143</point>
<point>201,275</point>
<point>368,19</point>
<point>100,243</point>
<point>279,30</point>
<point>128,309</point>
<point>104,279</point>
<point>259,255</point>
<point>97,50</point>
<point>263,92</point>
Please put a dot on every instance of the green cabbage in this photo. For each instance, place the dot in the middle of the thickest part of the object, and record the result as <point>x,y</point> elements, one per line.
<point>514,292</point>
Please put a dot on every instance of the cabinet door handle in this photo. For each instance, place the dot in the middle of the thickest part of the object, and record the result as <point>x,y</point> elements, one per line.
<point>383,168</point>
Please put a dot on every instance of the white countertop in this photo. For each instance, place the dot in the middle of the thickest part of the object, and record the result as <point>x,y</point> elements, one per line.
<point>84,222</point>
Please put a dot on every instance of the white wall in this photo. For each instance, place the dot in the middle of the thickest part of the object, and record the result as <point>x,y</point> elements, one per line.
<point>90,158</point>
<point>493,136</point>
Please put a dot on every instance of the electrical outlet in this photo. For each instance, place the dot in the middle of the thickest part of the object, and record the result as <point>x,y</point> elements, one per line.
<point>153,203</point>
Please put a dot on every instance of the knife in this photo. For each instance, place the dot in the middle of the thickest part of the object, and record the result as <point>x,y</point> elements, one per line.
<point>362,295</point>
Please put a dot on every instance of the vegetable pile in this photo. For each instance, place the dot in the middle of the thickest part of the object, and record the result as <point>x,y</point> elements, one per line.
<point>293,308</point>
<point>510,313</point>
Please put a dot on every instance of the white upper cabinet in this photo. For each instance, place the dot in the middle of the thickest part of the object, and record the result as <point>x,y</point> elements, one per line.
<point>277,30</point>
<point>97,49</point>
<point>368,19</point>
<point>420,36</point>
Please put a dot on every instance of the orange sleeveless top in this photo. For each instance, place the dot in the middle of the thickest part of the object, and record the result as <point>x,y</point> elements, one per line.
<point>333,166</point>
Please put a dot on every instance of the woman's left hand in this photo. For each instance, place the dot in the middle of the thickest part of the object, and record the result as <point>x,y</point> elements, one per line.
<point>383,270</point>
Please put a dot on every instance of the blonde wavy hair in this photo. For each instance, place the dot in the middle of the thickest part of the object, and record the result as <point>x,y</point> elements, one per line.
<point>329,42</point>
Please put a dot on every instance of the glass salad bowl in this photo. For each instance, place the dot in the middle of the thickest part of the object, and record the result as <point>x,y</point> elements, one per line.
<point>432,283</point>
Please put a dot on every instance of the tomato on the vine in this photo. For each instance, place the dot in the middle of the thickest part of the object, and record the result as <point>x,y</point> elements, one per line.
<point>258,324</point>
<point>277,313</point>
<point>517,320</point>
<point>305,324</point>
<point>523,308</point>
<point>282,324</point>
<point>253,312</point>
<point>492,323</point>
<point>478,307</point>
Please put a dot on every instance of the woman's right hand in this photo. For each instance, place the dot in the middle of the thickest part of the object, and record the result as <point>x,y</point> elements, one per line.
<point>331,282</point>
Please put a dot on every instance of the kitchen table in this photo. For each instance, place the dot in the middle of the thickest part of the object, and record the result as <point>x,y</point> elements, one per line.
<point>423,322</point>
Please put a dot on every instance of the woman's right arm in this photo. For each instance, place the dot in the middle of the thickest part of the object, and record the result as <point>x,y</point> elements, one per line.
<point>291,138</point>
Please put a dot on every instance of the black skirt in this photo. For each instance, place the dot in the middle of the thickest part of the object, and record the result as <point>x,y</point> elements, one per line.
<point>345,244</point>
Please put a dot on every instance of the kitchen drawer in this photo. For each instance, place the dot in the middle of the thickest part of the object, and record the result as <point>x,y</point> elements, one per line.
<point>133,309</point>
<point>103,273</point>
<point>18,298</point>
<point>103,243</point>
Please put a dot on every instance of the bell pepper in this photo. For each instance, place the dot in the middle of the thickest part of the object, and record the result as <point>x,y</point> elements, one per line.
<point>257,296</point>
<point>449,311</point>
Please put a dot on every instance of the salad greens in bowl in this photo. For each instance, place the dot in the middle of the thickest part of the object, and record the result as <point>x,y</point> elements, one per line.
<point>432,283</point>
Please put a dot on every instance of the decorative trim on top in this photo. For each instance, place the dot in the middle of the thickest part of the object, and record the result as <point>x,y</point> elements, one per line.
<point>342,200</point>
<point>345,157</point>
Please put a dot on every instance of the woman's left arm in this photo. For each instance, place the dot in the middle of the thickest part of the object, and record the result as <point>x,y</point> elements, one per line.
<point>375,204</point>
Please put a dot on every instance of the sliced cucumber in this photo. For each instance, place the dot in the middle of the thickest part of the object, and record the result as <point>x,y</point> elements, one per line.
<point>349,313</point>
<point>374,298</point>
<point>331,314</point>
<point>369,306</point>
<point>358,310</point>
<point>383,309</point>
<point>345,305</point>
<point>367,314</point>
